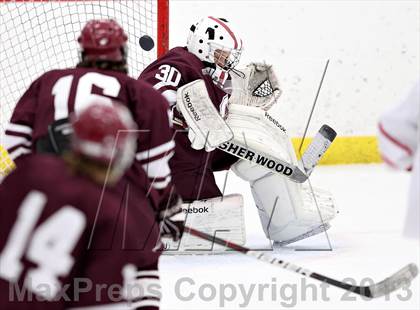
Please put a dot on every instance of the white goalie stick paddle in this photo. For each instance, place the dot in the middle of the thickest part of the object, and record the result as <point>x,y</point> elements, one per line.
<point>319,145</point>
<point>310,158</point>
<point>399,279</point>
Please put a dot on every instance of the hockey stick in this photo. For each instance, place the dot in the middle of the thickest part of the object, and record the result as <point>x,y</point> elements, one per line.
<point>397,280</point>
<point>310,158</point>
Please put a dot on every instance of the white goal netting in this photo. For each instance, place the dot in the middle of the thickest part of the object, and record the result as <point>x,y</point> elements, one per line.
<point>40,36</point>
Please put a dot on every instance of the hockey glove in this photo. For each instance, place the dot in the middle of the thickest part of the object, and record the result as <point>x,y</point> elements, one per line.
<point>257,87</point>
<point>172,219</point>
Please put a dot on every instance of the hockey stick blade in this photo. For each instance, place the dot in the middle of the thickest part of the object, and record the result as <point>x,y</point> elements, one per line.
<point>394,282</point>
<point>399,279</point>
<point>319,145</point>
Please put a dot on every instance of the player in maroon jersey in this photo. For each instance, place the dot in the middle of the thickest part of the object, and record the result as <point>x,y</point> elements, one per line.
<point>37,121</point>
<point>66,240</point>
<point>213,50</point>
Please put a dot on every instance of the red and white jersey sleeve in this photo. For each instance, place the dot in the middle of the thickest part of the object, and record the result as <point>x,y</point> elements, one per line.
<point>399,140</point>
<point>399,130</point>
<point>18,134</point>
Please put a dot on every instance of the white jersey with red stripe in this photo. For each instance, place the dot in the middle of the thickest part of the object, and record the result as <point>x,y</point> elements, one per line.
<point>399,146</point>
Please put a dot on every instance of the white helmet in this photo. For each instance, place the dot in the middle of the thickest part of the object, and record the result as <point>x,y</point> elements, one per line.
<point>214,41</point>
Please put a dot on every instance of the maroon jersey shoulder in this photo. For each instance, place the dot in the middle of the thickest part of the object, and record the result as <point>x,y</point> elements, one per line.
<point>58,93</point>
<point>38,172</point>
<point>187,66</point>
<point>49,177</point>
<point>176,68</point>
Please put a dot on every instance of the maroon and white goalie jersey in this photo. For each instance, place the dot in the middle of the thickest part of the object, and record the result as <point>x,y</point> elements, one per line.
<point>58,93</point>
<point>177,68</point>
<point>192,170</point>
<point>67,243</point>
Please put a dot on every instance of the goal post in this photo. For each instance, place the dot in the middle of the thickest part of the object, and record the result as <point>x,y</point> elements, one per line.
<point>40,35</point>
<point>163,27</point>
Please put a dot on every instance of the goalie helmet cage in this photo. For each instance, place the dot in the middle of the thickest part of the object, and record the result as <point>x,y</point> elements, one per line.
<point>41,35</point>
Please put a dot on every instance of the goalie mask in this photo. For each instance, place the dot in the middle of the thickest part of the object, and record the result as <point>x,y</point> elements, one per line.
<point>213,41</point>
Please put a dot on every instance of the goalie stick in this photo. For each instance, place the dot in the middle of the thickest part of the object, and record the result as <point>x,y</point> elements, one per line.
<point>390,284</point>
<point>310,157</point>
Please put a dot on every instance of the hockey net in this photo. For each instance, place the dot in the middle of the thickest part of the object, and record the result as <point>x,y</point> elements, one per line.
<point>41,35</point>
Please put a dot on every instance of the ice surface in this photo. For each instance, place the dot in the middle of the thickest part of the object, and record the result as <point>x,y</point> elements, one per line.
<point>366,243</point>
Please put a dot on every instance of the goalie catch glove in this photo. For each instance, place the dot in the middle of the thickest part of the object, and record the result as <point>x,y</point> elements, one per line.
<point>258,86</point>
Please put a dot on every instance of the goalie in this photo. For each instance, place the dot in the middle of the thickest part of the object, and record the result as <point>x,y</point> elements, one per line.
<point>213,103</point>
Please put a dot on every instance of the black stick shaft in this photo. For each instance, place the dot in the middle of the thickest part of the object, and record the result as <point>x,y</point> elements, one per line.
<point>365,291</point>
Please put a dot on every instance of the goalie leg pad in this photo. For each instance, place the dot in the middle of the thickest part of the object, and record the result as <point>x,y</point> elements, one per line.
<point>291,211</point>
<point>287,210</point>
<point>222,217</point>
<point>320,229</point>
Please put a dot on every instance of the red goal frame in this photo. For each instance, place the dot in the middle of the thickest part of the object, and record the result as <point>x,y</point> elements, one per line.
<point>162,27</point>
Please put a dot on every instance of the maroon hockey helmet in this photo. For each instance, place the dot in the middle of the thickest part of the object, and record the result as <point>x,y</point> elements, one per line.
<point>106,134</point>
<point>103,40</point>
